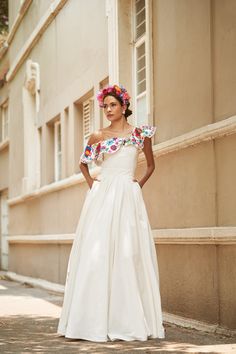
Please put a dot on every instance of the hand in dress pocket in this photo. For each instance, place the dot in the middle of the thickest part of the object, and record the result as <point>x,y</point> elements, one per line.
<point>94,180</point>
<point>135,180</point>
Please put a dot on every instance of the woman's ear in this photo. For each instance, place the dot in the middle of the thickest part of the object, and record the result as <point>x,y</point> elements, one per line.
<point>124,107</point>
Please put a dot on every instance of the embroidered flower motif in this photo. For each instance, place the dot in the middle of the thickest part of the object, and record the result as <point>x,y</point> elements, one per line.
<point>111,145</point>
<point>88,150</point>
<point>110,142</point>
<point>138,131</point>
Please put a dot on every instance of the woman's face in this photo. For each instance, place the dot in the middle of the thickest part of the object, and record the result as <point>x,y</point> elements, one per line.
<point>112,108</point>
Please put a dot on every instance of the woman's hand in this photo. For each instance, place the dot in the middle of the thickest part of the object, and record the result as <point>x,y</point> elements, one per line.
<point>84,169</point>
<point>91,181</point>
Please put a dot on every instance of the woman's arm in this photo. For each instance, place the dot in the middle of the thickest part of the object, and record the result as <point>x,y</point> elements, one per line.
<point>94,138</point>
<point>147,149</point>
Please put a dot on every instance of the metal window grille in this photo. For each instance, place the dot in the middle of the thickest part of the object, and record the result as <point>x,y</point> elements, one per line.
<point>88,118</point>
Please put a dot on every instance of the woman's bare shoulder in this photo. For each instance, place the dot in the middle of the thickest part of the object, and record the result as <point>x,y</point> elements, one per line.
<point>95,137</point>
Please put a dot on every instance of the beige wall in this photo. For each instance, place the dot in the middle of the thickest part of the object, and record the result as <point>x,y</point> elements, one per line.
<point>13,8</point>
<point>182,66</point>
<point>225,150</point>
<point>227,285</point>
<point>16,128</point>
<point>53,213</point>
<point>224,58</point>
<point>51,262</point>
<point>4,169</point>
<point>63,78</point>
<point>34,13</point>
<point>197,281</point>
<point>180,186</point>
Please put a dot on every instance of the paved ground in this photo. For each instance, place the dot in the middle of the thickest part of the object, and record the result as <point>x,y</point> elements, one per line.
<point>29,318</point>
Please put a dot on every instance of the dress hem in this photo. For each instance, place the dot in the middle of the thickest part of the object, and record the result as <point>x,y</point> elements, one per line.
<point>112,337</point>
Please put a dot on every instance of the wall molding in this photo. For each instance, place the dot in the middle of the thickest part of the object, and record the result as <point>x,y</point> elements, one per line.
<point>208,132</point>
<point>53,187</point>
<point>194,236</point>
<point>42,239</point>
<point>41,27</point>
<point>196,324</point>
<point>21,13</point>
<point>215,235</point>
<point>197,136</point>
<point>37,282</point>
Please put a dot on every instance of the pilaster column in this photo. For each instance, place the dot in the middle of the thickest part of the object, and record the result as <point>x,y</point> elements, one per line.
<point>113,45</point>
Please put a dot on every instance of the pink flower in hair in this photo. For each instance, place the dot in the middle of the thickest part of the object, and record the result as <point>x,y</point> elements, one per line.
<point>126,96</point>
<point>119,91</point>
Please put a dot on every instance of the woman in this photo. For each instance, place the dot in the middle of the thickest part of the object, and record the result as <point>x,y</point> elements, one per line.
<point>112,284</point>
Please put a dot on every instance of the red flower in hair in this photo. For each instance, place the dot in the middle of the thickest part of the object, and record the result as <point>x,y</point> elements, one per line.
<point>119,91</point>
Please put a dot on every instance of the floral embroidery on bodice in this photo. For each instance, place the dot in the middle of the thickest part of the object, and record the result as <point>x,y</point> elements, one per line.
<point>95,151</point>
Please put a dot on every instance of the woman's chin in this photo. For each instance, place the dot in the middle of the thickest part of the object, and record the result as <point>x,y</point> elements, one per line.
<point>113,118</point>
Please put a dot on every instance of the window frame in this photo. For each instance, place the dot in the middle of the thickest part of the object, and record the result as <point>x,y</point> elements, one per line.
<point>147,39</point>
<point>4,117</point>
<point>57,151</point>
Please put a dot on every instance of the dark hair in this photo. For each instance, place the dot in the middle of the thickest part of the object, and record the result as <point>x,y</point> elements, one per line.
<point>128,111</point>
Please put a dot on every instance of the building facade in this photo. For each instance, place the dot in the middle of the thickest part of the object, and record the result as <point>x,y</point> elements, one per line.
<point>177,59</point>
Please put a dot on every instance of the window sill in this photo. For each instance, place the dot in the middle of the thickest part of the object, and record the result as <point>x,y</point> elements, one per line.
<point>52,187</point>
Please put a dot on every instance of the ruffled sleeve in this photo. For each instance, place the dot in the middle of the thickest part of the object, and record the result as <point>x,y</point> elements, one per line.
<point>147,131</point>
<point>90,153</point>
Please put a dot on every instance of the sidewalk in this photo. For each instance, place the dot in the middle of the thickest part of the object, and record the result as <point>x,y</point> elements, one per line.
<point>29,318</point>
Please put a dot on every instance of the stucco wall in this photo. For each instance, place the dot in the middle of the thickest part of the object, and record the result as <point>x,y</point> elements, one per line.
<point>197,281</point>
<point>224,57</point>
<point>180,186</point>
<point>53,213</point>
<point>225,150</point>
<point>182,66</point>
<point>4,170</point>
<point>67,70</point>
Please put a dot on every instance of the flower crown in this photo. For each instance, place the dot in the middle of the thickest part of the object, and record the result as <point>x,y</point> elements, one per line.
<point>119,91</point>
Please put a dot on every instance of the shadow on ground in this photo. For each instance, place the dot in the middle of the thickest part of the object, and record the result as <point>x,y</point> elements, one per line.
<point>30,334</point>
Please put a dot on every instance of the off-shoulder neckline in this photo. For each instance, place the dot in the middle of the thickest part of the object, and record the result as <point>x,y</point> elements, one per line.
<point>116,137</point>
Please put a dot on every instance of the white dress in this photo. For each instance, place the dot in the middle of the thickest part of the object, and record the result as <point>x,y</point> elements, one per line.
<point>112,284</point>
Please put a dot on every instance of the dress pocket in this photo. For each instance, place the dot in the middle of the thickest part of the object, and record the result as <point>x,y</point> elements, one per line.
<point>138,185</point>
<point>94,182</point>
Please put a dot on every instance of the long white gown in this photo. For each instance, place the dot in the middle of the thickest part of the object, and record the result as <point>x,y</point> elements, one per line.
<point>112,284</point>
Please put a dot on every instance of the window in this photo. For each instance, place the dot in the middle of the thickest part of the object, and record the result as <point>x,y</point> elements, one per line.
<point>57,150</point>
<point>4,123</point>
<point>88,119</point>
<point>141,55</point>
